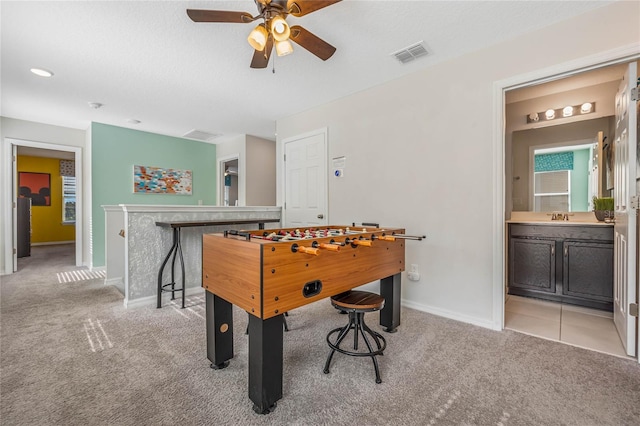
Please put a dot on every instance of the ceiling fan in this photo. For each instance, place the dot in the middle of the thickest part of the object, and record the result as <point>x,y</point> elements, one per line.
<point>274,29</point>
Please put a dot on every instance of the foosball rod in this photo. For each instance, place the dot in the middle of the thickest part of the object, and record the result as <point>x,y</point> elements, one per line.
<point>410,237</point>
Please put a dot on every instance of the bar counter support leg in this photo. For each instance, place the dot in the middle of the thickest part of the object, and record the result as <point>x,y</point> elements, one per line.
<point>184,282</point>
<point>265,362</point>
<point>176,244</point>
<point>173,249</point>
<point>390,289</point>
<point>219,319</point>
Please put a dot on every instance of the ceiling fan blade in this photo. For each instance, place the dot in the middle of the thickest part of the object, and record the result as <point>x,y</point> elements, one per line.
<point>311,42</point>
<point>198,15</point>
<point>304,7</point>
<point>261,57</point>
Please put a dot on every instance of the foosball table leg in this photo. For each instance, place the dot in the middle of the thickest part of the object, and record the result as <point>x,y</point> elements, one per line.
<point>265,362</point>
<point>219,317</point>
<point>390,289</point>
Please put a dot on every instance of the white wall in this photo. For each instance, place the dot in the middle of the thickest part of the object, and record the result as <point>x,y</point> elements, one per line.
<point>256,168</point>
<point>261,172</point>
<point>116,250</point>
<point>420,155</point>
<point>34,132</point>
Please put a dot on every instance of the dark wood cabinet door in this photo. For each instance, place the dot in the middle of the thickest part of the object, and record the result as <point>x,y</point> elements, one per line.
<point>588,270</point>
<point>532,264</point>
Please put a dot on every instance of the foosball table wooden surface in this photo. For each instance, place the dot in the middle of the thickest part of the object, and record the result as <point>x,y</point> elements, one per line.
<point>269,272</point>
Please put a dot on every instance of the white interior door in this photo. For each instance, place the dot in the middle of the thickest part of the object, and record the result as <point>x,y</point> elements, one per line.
<point>624,277</point>
<point>305,183</point>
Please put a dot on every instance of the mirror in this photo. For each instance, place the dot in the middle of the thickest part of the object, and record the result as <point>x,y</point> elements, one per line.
<point>565,178</point>
<point>560,168</point>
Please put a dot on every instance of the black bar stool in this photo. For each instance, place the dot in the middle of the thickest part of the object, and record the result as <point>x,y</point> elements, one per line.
<point>356,304</point>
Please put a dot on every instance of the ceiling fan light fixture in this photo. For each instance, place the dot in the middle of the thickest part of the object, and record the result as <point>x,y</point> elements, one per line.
<point>283,48</point>
<point>280,29</point>
<point>258,37</point>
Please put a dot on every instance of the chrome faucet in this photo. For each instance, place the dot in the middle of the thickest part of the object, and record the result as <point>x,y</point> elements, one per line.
<point>559,216</point>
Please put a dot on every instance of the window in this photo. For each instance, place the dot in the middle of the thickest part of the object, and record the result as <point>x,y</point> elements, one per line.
<point>552,191</point>
<point>68,199</point>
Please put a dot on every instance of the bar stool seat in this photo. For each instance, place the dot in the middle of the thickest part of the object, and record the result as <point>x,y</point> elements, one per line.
<point>356,303</point>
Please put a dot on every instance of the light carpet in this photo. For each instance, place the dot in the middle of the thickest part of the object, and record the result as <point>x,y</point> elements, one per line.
<point>73,355</point>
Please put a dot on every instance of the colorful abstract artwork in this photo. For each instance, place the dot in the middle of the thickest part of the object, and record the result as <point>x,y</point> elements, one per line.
<point>157,180</point>
<point>36,186</point>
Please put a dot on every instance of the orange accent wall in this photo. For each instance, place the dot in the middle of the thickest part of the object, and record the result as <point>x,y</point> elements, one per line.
<point>46,221</point>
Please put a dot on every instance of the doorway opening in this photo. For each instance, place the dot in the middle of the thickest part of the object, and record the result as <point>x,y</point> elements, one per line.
<point>544,318</point>
<point>67,197</point>
<point>229,194</point>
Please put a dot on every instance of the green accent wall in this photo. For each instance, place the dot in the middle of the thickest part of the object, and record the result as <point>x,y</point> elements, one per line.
<point>114,152</point>
<point>580,181</point>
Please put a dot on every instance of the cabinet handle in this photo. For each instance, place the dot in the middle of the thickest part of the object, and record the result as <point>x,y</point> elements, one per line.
<point>566,251</point>
<point>553,251</point>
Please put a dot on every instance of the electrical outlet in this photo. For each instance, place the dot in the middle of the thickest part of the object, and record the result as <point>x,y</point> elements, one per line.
<point>414,272</point>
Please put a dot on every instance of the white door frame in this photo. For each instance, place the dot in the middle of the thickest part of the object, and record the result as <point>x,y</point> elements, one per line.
<point>601,60</point>
<point>322,131</point>
<point>8,189</point>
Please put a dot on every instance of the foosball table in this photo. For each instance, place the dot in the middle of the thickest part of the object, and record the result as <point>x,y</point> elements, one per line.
<point>270,272</point>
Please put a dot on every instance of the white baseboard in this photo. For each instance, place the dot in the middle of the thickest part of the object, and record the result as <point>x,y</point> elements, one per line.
<point>449,314</point>
<point>152,300</point>
<point>114,281</point>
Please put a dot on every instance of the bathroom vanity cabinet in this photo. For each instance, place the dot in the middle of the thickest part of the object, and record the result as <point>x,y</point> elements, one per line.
<point>563,263</point>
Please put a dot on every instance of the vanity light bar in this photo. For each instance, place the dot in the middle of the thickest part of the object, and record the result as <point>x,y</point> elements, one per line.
<point>564,112</point>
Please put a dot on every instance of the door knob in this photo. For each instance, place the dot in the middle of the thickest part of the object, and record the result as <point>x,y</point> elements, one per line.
<point>320,216</point>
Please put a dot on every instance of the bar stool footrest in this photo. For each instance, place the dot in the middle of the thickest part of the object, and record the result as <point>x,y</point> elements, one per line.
<point>335,347</point>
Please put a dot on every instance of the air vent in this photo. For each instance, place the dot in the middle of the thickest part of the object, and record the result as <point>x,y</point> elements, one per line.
<point>201,135</point>
<point>410,53</point>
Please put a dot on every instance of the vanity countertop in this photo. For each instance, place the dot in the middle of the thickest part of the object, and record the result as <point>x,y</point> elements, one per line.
<point>559,222</point>
<point>540,218</point>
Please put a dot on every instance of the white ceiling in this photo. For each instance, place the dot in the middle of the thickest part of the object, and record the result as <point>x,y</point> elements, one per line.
<point>147,60</point>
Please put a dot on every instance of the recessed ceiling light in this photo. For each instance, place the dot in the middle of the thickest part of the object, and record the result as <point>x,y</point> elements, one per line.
<point>95,105</point>
<point>42,72</point>
<point>567,111</point>
<point>133,121</point>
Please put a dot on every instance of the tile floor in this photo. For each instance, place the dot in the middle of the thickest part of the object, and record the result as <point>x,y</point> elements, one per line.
<point>574,325</point>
